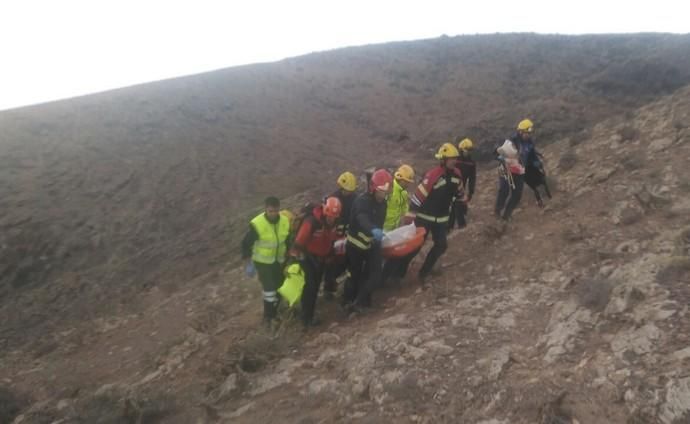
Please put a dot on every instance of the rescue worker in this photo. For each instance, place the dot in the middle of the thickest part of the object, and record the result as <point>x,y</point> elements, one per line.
<point>312,245</point>
<point>512,180</point>
<point>266,244</point>
<point>287,213</point>
<point>468,170</point>
<point>431,204</point>
<point>397,207</point>
<point>347,186</point>
<point>364,235</point>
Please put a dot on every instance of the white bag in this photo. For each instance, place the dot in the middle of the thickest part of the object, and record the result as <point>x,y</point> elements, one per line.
<point>399,235</point>
<point>339,246</point>
<point>508,150</point>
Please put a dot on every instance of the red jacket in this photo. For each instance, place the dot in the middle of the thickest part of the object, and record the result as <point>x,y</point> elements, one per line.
<point>434,195</point>
<point>313,237</point>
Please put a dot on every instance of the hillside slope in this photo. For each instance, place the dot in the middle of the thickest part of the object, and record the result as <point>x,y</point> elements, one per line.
<point>574,313</point>
<point>577,313</point>
<point>105,196</point>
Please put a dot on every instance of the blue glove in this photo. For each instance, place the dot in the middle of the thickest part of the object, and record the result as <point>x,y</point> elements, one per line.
<point>501,158</point>
<point>250,269</point>
<point>377,233</point>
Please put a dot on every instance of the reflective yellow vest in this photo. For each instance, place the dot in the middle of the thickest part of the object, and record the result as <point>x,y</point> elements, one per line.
<point>397,207</point>
<point>271,245</point>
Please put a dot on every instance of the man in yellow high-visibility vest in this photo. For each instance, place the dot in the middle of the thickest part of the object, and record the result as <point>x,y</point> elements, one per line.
<point>266,244</point>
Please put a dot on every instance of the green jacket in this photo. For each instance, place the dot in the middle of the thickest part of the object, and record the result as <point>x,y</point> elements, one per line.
<point>397,207</point>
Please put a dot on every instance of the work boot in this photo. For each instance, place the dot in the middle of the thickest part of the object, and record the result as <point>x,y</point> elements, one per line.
<point>360,309</point>
<point>310,323</point>
<point>266,324</point>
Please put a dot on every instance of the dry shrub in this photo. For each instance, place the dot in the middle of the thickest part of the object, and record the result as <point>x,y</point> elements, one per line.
<point>630,215</point>
<point>259,349</point>
<point>575,234</point>
<point>684,186</point>
<point>633,162</point>
<point>112,409</point>
<point>676,268</point>
<point>552,182</point>
<point>553,412</point>
<point>10,405</point>
<point>629,133</point>
<point>683,243</point>
<point>594,294</point>
<point>567,161</point>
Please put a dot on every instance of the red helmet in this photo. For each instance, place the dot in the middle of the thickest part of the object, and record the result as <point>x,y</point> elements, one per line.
<point>381,180</point>
<point>332,207</point>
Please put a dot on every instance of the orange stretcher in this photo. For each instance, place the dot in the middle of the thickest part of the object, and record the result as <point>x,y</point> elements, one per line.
<point>406,247</point>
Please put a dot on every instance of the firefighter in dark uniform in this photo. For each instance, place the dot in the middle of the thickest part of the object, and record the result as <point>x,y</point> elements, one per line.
<point>468,170</point>
<point>347,185</point>
<point>364,235</point>
<point>431,203</point>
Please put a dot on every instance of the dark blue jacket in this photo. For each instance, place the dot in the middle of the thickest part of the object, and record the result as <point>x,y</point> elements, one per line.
<point>526,151</point>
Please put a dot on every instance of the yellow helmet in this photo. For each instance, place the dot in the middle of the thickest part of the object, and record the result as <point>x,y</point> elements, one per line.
<point>525,125</point>
<point>447,151</point>
<point>405,173</point>
<point>347,181</point>
<point>466,144</point>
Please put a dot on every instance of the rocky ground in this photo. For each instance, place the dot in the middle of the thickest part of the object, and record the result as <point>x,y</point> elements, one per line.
<point>577,313</point>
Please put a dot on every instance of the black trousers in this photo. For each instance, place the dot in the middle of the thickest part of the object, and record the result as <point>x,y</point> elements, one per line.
<point>396,268</point>
<point>364,267</point>
<point>313,272</point>
<point>331,273</point>
<point>458,212</point>
<point>271,278</point>
<point>508,198</point>
<point>439,232</point>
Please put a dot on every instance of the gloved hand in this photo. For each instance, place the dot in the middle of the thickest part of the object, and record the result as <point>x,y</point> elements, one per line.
<point>377,233</point>
<point>501,159</point>
<point>408,218</point>
<point>250,269</point>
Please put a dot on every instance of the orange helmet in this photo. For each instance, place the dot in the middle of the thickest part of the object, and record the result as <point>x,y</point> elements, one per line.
<point>332,207</point>
<point>381,180</point>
